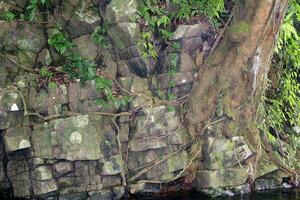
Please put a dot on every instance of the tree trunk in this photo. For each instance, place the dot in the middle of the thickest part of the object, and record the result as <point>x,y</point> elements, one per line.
<point>234,79</point>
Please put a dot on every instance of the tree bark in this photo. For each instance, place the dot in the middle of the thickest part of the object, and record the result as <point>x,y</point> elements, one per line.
<point>235,76</point>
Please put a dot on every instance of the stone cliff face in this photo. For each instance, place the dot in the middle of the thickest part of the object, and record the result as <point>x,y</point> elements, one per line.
<point>92,156</point>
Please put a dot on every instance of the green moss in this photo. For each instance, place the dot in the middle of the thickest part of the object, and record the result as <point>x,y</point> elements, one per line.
<point>241,27</point>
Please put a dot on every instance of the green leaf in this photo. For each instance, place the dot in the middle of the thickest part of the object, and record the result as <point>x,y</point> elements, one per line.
<point>45,73</point>
<point>8,16</point>
<point>171,108</point>
<point>52,85</point>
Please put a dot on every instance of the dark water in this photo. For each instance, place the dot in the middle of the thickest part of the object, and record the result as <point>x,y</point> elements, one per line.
<point>272,195</point>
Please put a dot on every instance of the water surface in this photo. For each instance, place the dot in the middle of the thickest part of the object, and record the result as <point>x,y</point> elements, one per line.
<point>266,195</point>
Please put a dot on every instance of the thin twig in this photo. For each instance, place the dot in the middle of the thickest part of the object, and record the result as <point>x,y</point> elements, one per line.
<point>123,177</point>
<point>19,65</point>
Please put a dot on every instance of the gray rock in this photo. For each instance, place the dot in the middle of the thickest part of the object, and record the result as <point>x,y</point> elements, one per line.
<point>62,168</point>
<point>124,34</point>
<point>80,18</point>
<point>123,69</point>
<point>142,66</point>
<point>18,174</point>
<point>157,121</point>
<point>87,176</point>
<point>124,132</point>
<point>184,31</point>
<point>44,57</point>
<point>86,47</point>
<point>180,79</point>
<point>139,86</point>
<point>190,36</point>
<point>78,92</point>
<point>187,63</point>
<point>2,166</point>
<point>163,171</point>
<point>103,195</point>
<point>26,58</point>
<point>118,192</point>
<point>3,76</point>
<point>29,37</point>
<point>145,189</point>
<point>48,102</point>
<point>220,153</point>
<point>8,65</point>
<point>6,39</point>
<point>2,172</point>
<point>109,63</point>
<point>43,181</point>
<point>125,82</point>
<point>142,145</point>
<point>10,119</point>
<point>78,196</point>
<point>72,138</point>
<point>120,11</point>
<point>115,193</point>
<point>213,179</point>
<point>114,166</point>
<point>10,101</point>
<point>17,138</point>
<point>110,181</point>
<point>148,156</point>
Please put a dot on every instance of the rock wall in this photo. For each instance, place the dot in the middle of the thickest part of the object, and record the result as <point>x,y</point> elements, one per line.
<point>54,155</point>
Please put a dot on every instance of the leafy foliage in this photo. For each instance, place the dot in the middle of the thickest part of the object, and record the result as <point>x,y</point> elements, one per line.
<point>45,73</point>
<point>77,67</point>
<point>158,20</point>
<point>8,16</point>
<point>99,36</point>
<point>32,7</point>
<point>283,108</point>
<point>190,8</point>
<point>59,42</point>
<point>30,12</point>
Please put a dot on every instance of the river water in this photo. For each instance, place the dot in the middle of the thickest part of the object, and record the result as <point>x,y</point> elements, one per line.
<point>272,195</point>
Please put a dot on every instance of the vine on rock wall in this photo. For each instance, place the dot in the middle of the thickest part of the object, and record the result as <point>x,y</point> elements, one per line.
<point>73,65</point>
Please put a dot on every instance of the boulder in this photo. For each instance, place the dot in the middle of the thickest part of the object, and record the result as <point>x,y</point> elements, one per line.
<point>18,174</point>
<point>43,181</point>
<point>44,58</point>
<point>10,101</point>
<point>29,37</point>
<point>78,17</point>
<point>139,86</point>
<point>163,171</point>
<point>114,166</point>
<point>213,179</point>
<point>220,153</point>
<point>124,35</point>
<point>48,101</point>
<point>17,138</point>
<point>83,137</point>
<point>120,11</point>
<point>86,47</point>
<point>190,36</point>
<point>6,38</point>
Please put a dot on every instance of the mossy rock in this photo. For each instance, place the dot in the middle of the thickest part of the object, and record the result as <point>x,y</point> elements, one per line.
<point>238,32</point>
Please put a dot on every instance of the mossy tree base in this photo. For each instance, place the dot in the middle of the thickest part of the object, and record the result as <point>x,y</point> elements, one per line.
<point>234,79</point>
